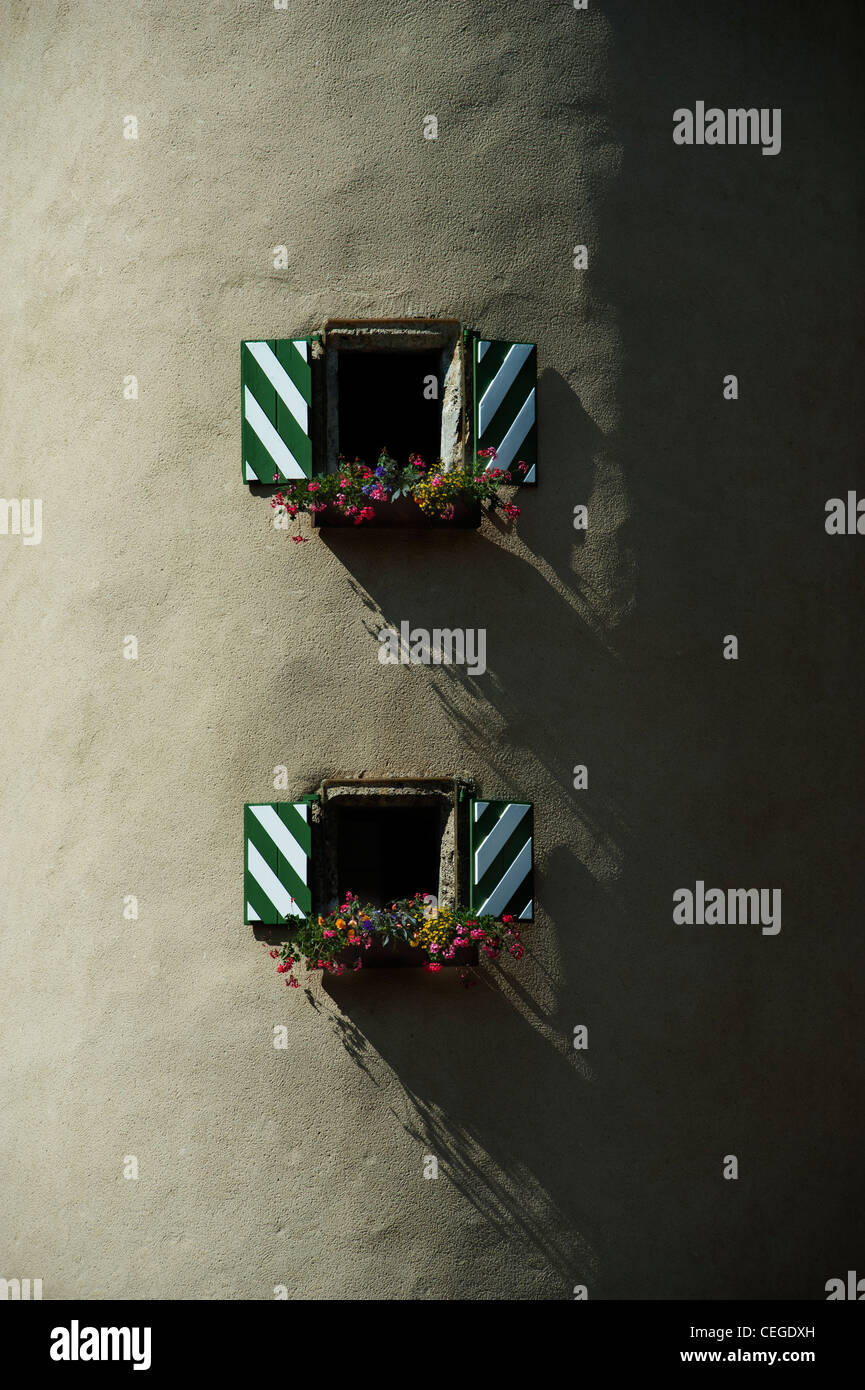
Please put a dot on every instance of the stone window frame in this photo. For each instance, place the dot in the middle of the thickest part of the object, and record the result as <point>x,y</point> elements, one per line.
<point>399,335</point>
<point>451,793</point>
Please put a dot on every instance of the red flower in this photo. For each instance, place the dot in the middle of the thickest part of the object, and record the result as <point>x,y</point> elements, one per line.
<point>433,967</point>
<point>507,918</point>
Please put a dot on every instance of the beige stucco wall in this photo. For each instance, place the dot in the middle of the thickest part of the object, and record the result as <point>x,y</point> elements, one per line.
<point>153,1038</point>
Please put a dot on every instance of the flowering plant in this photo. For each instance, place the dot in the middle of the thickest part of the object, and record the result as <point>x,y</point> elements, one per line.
<point>354,487</point>
<point>337,942</point>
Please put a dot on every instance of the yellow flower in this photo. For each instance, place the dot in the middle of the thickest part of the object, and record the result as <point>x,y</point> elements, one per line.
<point>339,924</point>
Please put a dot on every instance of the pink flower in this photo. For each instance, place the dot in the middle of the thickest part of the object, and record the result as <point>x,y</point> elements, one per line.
<point>507,918</point>
<point>281,968</point>
<point>292,981</point>
<point>433,967</point>
<point>314,487</point>
<point>329,932</point>
<point>437,480</point>
<point>478,934</point>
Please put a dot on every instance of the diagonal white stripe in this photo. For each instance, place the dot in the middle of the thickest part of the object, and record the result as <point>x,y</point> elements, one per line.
<point>303,347</point>
<point>283,838</point>
<point>480,807</point>
<point>501,831</point>
<point>275,446</point>
<point>281,382</point>
<point>251,913</point>
<point>501,384</point>
<point>526,914</point>
<point>507,450</point>
<point>509,882</point>
<point>267,881</point>
<point>482,350</point>
<point>250,476</point>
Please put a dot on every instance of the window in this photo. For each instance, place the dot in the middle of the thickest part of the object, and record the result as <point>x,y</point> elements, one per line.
<point>384,840</point>
<point>397,385</point>
<point>424,386</point>
<point>388,839</point>
<point>388,852</point>
<point>388,402</point>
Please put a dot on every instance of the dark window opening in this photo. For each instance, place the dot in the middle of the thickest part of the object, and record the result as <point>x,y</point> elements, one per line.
<point>384,854</point>
<point>383,405</point>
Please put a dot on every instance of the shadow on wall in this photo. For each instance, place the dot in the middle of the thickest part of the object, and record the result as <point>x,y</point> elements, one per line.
<point>510,1150</point>
<point>709,256</point>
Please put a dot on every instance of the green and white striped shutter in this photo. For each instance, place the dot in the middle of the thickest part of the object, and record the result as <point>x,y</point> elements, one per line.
<point>501,837</point>
<point>277,852</point>
<point>276,395</point>
<point>505,384</point>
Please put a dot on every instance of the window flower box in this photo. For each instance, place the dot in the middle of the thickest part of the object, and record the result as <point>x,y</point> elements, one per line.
<point>408,932</point>
<point>406,513</point>
<point>416,494</point>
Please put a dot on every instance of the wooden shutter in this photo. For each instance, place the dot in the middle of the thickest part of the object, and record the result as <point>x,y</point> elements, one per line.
<point>276,865</point>
<point>505,384</point>
<point>501,835</point>
<point>276,396</point>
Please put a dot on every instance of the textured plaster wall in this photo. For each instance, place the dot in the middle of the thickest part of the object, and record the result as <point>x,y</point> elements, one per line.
<point>154,1038</point>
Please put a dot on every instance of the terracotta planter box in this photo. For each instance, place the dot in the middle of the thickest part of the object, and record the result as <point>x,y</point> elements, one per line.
<point>400,954</point>
<point>406,514</point>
